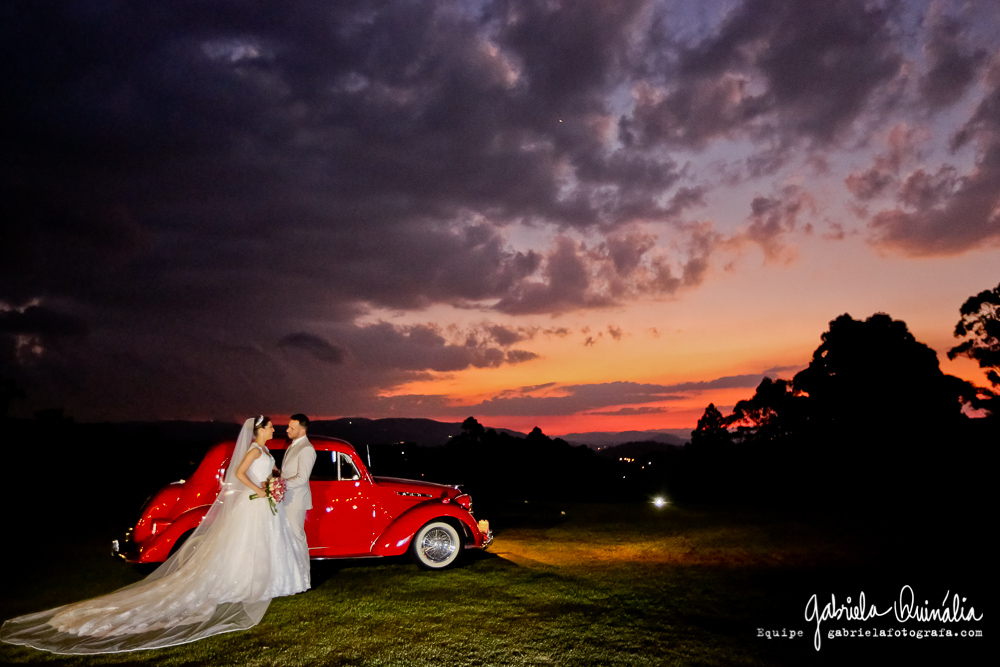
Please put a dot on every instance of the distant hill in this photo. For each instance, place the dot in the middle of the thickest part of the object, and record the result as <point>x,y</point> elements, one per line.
<point>640,450</point>
<point>601,439</point>
<point>360,431</point>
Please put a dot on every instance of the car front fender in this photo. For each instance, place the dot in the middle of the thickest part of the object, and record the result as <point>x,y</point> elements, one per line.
<point>395,539</point>
<point>157,549</point>
<point>158,506</point>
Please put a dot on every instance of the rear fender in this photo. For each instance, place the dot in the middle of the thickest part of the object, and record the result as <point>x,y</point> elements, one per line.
<point>395,539</point>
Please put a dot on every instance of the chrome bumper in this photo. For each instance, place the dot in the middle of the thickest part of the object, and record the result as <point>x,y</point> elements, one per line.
<point>124,548</point>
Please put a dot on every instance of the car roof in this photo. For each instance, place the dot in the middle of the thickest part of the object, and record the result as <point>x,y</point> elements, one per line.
<point>321,443</point>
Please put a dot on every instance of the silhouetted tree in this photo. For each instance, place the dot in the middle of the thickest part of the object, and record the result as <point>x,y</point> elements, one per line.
<point>872,412</point>
<point>773,412</point>
<point>709,460</point>
<point>536,435</point>
<point>875,377</point>
<point>711,430</point>
<point>473,428</point>
<point>980,326</point>
<point>882,416</point>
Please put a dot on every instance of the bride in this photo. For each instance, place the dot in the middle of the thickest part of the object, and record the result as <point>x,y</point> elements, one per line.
<point>221,579</point>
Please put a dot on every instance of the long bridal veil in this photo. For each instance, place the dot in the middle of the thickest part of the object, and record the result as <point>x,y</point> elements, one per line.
<point>212,584</point>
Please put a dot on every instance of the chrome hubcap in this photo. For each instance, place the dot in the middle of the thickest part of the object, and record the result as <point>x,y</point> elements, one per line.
<point>437,545</point>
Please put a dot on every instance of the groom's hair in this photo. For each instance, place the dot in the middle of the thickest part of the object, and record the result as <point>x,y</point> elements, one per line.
<point>301,419</point>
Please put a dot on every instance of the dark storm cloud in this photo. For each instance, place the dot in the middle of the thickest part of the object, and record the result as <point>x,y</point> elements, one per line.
<point>505,336</point>
<point>414,266</point>
<point>684,199</point>
<point>947,213</point>
<point>425,347</point>
<point>924,191</point>
<point>566,285</point>
<point>30,332</point>
<point>223,174</point>
<point>951,66</point>
<point>771,218</point>
<point>574,276</point>
<point>40,321</point>
<point>314,346</point>
<point>626,251</point>
<point>779,68</point>
<point>869,184</point>
<point>902,147</point>
<point>363,131</point>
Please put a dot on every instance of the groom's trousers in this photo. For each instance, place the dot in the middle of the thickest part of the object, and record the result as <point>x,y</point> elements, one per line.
<point>297,517</point>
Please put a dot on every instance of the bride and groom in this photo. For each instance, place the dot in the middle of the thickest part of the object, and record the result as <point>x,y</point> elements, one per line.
<point>220,580</point>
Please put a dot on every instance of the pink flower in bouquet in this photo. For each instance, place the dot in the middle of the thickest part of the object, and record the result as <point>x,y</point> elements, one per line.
<point>278,488</point>
<point>274,491</point>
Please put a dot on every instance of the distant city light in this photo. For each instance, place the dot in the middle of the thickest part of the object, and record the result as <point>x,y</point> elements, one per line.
<point>659,501</point>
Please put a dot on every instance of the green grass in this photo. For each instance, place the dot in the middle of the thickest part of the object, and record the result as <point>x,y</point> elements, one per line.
<point>598,585</point>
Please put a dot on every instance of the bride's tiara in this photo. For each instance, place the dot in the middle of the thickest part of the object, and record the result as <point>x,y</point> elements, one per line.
<point>257,421</point>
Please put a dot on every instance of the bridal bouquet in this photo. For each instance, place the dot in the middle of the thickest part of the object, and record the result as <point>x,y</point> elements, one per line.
<point>274,491</point>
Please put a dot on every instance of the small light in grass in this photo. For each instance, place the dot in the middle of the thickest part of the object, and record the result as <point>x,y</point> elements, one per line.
<point>659,501</point>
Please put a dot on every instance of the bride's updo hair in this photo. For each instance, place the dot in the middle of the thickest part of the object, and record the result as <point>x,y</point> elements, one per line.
<point>260,422</point>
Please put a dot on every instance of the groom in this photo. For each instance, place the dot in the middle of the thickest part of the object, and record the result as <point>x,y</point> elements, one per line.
<point>296,468</point>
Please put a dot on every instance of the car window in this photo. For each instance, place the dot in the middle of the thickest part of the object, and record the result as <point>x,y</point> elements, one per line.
<point>347,468</point>
<point>325,468</point>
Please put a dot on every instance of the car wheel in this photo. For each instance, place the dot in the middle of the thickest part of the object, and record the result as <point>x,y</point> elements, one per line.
<point>437,545</point>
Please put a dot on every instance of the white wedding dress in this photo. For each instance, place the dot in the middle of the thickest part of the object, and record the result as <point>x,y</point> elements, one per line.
<point>222,579</point>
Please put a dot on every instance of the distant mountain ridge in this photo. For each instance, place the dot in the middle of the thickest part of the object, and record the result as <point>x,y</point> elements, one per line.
<point>667,436</point>
<point>363,431</point>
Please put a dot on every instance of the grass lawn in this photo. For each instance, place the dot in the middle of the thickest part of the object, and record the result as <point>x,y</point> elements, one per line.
<point>577,585</point>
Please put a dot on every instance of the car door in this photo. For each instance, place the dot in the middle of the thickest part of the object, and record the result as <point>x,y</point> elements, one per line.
<point>341,520</point>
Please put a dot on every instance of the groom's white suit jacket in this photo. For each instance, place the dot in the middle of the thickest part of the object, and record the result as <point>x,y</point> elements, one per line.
<point>296,468</point>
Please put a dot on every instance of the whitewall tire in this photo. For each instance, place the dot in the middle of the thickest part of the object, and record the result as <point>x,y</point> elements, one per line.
<point>436,546</point>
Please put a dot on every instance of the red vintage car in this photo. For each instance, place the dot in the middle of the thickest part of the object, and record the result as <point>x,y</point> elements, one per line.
<point>354,514</point>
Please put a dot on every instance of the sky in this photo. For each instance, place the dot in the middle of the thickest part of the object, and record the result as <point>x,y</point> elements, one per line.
<point>578,215</point>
